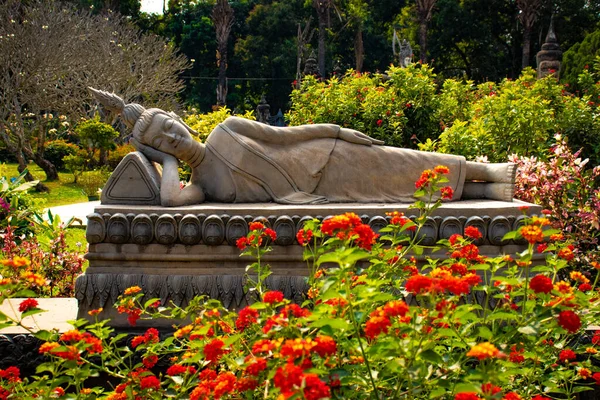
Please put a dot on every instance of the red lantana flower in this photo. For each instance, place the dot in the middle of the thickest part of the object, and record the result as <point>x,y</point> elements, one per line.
<point>214,350</point>
<point>28,304</point>
<point>246,317</point>
<point>447,193</point>
<point>473,232</point>
<point>272,297</point>
<point>541,284</point>
<point>569,321</point>
<point>567,355</point>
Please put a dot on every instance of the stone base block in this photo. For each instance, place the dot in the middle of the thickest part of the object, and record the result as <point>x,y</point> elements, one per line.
<point>177,253</point>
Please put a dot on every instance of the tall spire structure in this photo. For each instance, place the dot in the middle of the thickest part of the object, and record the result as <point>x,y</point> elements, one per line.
<point>550,56</point>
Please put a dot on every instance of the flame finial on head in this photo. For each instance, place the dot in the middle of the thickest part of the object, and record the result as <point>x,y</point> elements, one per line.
<point>111,101</point>
<point>129,112</point>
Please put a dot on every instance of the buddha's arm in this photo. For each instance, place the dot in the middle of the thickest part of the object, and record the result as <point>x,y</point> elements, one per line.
<point>171,194</point>
<point>294,134</point>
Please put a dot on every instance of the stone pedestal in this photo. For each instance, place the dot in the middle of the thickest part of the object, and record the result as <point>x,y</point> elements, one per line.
<point>177,253</point>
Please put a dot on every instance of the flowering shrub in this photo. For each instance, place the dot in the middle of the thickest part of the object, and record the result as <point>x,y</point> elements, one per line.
<point>374,325</point>
<point>394,107</point>
<point>568,191</point>
<point>50,267</point>
<point>407,108</point>
<point>15,205</point>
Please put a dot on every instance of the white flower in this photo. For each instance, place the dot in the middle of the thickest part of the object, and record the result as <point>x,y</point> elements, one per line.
<point>482,159</point>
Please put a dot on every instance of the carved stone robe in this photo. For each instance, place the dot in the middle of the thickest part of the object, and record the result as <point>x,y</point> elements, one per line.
<point>247,161</point>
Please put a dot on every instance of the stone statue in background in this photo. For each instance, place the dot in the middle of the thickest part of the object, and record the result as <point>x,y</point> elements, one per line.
<point>245,161</point>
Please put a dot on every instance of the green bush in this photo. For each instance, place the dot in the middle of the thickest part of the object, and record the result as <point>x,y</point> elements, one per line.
<point>205,123</point>
<point>115,156</point>
<point>76,163</point>
<point>518,116</point>
<point>579,56</point>
<point>96,137</point>
<point>398,107</point>
<point>91,182</point>
<point>56,150</point>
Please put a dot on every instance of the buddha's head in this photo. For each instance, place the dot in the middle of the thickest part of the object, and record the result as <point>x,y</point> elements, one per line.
<point>167,133</point>
<point>156,128</point>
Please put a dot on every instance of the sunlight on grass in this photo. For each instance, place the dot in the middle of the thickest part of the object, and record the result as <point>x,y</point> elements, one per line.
<point>62,192</point>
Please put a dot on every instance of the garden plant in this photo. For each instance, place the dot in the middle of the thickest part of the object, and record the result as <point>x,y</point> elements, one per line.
<point>375,324</point>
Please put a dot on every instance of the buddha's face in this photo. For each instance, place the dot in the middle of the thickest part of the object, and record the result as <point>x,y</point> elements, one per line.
<point>170,136</point>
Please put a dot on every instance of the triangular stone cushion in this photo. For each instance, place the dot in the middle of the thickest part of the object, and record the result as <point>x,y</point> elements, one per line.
<point>135,181</point>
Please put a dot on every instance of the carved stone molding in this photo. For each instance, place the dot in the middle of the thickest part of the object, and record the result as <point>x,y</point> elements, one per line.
<point>102,290</point>
<point>216,230</point>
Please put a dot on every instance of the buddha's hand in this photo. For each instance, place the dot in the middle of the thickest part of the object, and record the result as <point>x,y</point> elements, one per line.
<point>150,152</point>
<point>352,136</point>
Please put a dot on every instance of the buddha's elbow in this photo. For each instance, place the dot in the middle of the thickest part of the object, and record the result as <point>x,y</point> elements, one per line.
<point>170,201</point>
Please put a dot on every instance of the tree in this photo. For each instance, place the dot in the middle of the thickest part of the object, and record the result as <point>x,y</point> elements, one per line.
<point>222,17</point>
<point>528,14</point>
<point>51,52</point>
<point>322,7</point>
<point>357,12</point>
<point>424,12</point>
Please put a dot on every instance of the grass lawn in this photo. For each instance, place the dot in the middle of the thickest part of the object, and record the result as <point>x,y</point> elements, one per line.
<point>62,192</point>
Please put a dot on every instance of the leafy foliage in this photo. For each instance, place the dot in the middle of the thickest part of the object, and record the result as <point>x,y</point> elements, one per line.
<point>205,123</point>
<point>568,190</point>
<point>15,205</point>
<point>58,149</point>
<point>355,336</point>
<point>397,108</point>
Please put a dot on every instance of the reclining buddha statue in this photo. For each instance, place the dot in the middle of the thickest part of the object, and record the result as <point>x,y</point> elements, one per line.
<point>245,161</point>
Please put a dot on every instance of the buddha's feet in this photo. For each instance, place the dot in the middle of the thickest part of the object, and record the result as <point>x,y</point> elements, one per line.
<point>495,173</point>
<point>492,191</point>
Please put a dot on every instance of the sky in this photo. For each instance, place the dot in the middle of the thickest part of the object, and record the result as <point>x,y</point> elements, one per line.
<point>152,6</point>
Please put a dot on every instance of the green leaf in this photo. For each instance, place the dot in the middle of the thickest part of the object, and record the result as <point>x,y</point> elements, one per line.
<point>32,312</point>
<point>45,367</point>
<point>485,333</point>
<point>43,335</point>
<point>502,315</point>
<point>431,356</point>
<point>25,186</point>
<point>150,302</point>
<point>6,324</point>
<point>328,258</point>
<point>466,387</point>
<point>437,392</point>
<point>480,267</point>
<point>510,235</point>
<point>528,330</point>
<point>335,323</point>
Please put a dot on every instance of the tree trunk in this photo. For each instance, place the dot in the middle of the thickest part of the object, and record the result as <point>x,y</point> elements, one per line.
<point>222,17</point>
<point>526,47</point>
<point>359,49</point>
<point>322,7</point>
<point>47,166</point>
<point>423,40</point>
<point>424,12</point>
<point>23,166</point>
<point>222,85</point>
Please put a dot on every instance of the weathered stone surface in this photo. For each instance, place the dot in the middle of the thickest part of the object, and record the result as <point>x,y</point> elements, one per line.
<point>176,253</point>
<point>134,181</point>
<point>57,313</point>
